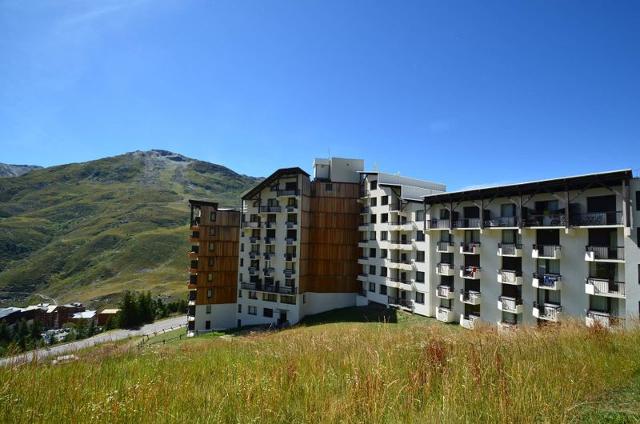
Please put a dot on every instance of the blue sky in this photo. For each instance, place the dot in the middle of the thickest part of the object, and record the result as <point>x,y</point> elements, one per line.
<point>462,92</point>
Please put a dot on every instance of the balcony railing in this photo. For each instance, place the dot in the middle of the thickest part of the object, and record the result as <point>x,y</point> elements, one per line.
<point>289,257</point>
<point>509,249</point>
<point>270,224</point>
<point>195,234</point>
<point>546,281</point>
<point>445,292</point>
<point>604,287</point>
<point>434,224</point>
<point>269,209</point>
<point>506,276</point>
<point>269,240</point>
<point>268,255</point>
<point>444,247</point>
<point>193,265</point>
<point>192,295</point>
<point>270,288</point>
<point>290,240</point>
<point>470,297</point>
<point>253,239</point>
<point>444,268</point>
<point>594,253</point>
<point>603,319</point>
<point>291,207</point>
<point>595,219</point>
<point>293,192</point>
<point>289,272</point>
<point>546,220</point>
<point>251,224</point>
<point>501,221</point>
<point>195,249</point>
<point>254,254</point>
<point>406,303</point>
<point>193,279</point>
<point>268,270</point>
<point>444,314</point>
<point>291,224</point>
<point>510,304</point>
<point>547,251</point>
<point>470,272</point>
<point>547,311</point>
<point>468,321</point>
<point>466,223</point>
<point>472,248</point>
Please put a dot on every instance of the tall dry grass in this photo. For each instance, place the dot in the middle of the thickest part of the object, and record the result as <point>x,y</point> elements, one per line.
<point>334,373</point>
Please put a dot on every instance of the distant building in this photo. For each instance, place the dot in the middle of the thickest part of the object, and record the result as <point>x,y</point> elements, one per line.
<point>105,315</point>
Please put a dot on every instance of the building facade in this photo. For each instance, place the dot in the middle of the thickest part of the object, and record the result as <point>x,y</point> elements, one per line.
<point>520,254</point>
<point>213,267</point>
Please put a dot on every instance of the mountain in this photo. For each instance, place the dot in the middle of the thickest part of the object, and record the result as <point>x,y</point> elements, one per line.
<point>7,170</point>
<point>88,231</point>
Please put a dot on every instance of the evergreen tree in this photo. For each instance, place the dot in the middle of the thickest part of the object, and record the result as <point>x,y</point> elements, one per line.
<point>92,328</point>
<point>5,333</point>
<point>128,311</point>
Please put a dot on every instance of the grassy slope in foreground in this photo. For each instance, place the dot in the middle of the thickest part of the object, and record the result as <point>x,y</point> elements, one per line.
<point>356,372</point>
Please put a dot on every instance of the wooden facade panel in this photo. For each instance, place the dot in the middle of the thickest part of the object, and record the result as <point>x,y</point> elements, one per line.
<point>219,295</point>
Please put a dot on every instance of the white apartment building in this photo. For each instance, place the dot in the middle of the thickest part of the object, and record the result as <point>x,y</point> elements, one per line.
<point>536,252</point>
<point>393,260</point>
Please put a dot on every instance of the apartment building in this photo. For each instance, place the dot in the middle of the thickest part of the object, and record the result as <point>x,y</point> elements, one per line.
<point>536,252</point>
<point>392,247</point>
<point>520,254</point>
<point>213,267</point>
<point>298,246</point>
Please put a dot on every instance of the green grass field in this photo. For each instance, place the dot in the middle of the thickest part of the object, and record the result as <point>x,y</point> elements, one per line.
<point>411,370</point>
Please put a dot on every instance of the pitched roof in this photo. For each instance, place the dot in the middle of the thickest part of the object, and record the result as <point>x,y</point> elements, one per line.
<point>267,181</point>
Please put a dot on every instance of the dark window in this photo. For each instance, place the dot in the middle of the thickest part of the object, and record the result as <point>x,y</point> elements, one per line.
<point>372,252</point>
<point>420,256</point>
<point>384,200</point>
<point>384,217</point>
<point>328,187</point>
<point>372,269</point>
<point>420,235</point>
<point>207,325</point>
<point>383,253</point>
<point>374,201</point>
<point>372,287</point>
<point>267,312</point>
<point>212,217</point>
<point>419,277</point>
<point>638,200</point>
<point>241,261</point>
<point>373,185</point>
<point>383,289</point>
<point>239,308</point>
<point>374,219</point>
<point>420,298</point>
<point>383,271</point>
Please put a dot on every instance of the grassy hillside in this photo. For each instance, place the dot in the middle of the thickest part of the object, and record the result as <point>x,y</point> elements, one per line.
<point>416,370</point>
<point>7,170</point>
<point>88,231</point>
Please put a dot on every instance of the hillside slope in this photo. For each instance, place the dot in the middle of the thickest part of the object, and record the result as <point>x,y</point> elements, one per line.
<point>7,170</point>
<point>90,230</point>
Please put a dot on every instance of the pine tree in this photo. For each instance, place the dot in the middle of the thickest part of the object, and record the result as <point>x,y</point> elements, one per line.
<point>128,311</point>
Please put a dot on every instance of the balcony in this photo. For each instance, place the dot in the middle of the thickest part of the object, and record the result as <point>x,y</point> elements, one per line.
<point>546,281</point>
<point>438,224</point>
<point>506,276</point>
<point>363,260</point>
<point>251,224</point>
<point>512,250</point>
<point>510,304</point>
<point>268,270</point>
<point>362,277</point>
<point>270,224</point>
<point>597,219</point>
<point>193,279</point>
<point>470,297</point>
<point>546,251</point>
<point>398,302</point>
<point>470,272</point>
<point>289,257</point>
<point>401,264</point>
<point>195,235</point>
<point>444,314</point>
<point>400,244</point>
<point>268,255</point>
<point>363,243</point>
<point>288,272</point>
<point>254,254</point>
<point>262,209</point>
<point>253,270</point>
<point>444,247</point>
<point>601,319</point>
<point>445,269</point>
<point>505,326</point>
<point>501,222</point>
<point>269,240</point>
<point>286,193</point>
<point>194,250</point>
<point>550,220</point>
<point>291,207</point>
<point>365,210</point>
<point>291,224</point>
<point>468,321</point>
<point>445,292</point>
<point>472,248</point>
<point>365,226</point>
<point>466,223</point>
<point>604,254</point>
<point>269,288</point>
<point>254,240</point>
<point>193,266</point>
<point>547,311</point>
<point>605,287</point>
<point>290,240</point>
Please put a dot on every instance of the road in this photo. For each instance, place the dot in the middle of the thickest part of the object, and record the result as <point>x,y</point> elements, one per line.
<point>110,336</point>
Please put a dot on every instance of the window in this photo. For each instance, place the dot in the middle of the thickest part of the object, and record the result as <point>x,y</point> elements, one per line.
<point>372,269</point>
<point>304,298</point>
<point>420,298</point>
<point>384,200</point>
<point>270,297</point>
<point>289,300</point>
<point>241,261</point>
<point>209,293</point>
<point>374,218</point>
<point>373,201</point>
<point>373,185</point>
<point>208,309</point>
<point>210,260</point>
<point>212,217</point>
<point>384,217</point>
<point>241,279</point>
<point>383,289</point>
<point>239,308</point>
<point>242,247</point>
<point>383,271</point>
<point>253,295</point>
<point>419,235</point>
<point>419,277</point>
<point>638,200</point>
<point>420,256</point>
<point>328,187</point>
<point>240,291</point>
<point>384,235</point>
<point>383,253</point>
<point>210,277</point>
<point>420,215</point>
<point>372,287</point>
<point>267,312</point>
<point>252,310</point>
<point>212,246</point>
<point>207,325</point>
<point>212,231</point>
<point>372,252</point>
